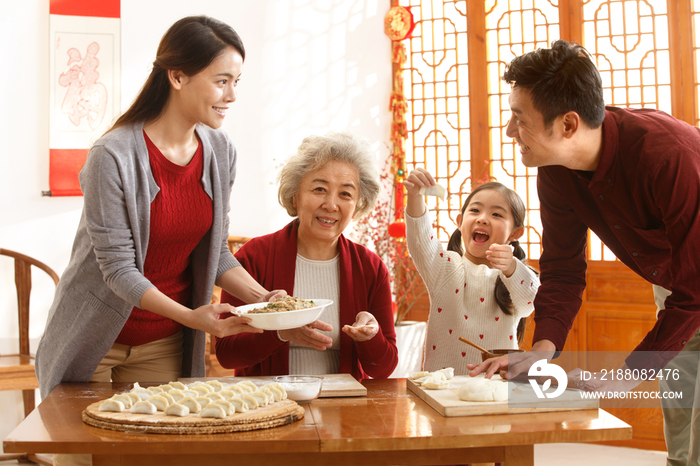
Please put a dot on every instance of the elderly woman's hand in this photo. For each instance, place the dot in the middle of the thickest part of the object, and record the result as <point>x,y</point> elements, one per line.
<point>364,328</point>
<point>307,336</point>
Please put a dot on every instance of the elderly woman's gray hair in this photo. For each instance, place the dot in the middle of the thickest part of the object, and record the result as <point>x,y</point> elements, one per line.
<point>315,152</point>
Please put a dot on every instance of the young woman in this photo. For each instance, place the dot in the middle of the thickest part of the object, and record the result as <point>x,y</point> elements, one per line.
<point>482,293</point>
<point>133,303</point>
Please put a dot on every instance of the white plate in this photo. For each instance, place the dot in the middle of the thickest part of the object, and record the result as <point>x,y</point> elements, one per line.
<point>283,320</point>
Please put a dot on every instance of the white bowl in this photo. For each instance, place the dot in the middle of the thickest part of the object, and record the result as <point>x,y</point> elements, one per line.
<point>285,319</point>
<point>300,388</point>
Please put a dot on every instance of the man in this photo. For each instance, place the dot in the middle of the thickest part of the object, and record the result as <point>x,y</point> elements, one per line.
<point>631,176</point>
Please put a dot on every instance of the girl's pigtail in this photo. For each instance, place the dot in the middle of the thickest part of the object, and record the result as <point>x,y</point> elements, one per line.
<point>455,243</point>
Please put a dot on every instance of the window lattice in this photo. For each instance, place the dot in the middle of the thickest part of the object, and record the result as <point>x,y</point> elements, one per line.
<point>456,123</point>
<point>437,93</point>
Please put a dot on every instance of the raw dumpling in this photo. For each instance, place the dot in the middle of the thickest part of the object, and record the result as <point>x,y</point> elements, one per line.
<point>199,383</point>
<point>250,402</point>
<point>166,387</point>
<point>261,397</point>
<point>247,383</point>
<point>201,390</point>
<point>213,410</point>
<point>274,393</point>
<point>194,393</point>
<point>192,404</point>
<point>177,409</point>
<point>111,405</point>
<point>213,396</point>
<point>176,394</point>
<point>437,190</point>
<point>278,387</point>
<point>202,400</point>
<point>228,407</point>
<point>143,393</point>
<point>483,389</point>
<point>227,394</point>
<point>239,404</point>
<point>160,402</point>
<point>168,397</point>
<point>154,390</point>
<point>144,407</point>
<point>237,390</point>
<point>134,397</point>
<point>126,400</point>
<point>178,385</point>
<point>448,371</point>
<point>216,385</point>
<point>418,375</point>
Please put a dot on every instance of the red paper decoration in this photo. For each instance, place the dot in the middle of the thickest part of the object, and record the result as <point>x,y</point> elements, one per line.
<point>398,23</point>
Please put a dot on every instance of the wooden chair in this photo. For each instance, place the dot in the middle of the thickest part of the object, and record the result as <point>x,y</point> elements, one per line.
<point>17,370</point>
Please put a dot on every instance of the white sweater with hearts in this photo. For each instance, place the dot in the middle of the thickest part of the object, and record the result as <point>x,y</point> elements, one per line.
<point>462,301</point>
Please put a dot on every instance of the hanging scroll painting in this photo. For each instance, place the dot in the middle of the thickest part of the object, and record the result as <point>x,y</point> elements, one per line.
<point>85,84</point>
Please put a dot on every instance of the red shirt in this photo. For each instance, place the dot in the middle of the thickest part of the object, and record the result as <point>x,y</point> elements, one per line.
<point>181,214</point>
<point>364,286</point>
<point>643,201</point>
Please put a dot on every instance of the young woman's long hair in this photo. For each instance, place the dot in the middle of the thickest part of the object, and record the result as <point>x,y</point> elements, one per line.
<point>190,45</point>
<point>517,209</point>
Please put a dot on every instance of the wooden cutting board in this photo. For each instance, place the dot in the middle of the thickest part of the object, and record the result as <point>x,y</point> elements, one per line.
<point>447,403</point>
<point>334,385</point>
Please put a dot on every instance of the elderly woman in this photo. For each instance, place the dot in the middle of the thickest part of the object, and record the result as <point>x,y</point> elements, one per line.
<point>330,181</point>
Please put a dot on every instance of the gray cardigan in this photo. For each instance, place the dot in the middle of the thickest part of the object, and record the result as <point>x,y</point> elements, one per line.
<point>104,279</point>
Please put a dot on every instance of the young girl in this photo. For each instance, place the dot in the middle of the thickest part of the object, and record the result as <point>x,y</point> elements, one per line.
<point>480,294</point>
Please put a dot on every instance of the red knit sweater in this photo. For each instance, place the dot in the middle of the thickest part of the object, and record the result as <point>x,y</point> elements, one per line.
<point>181,214</point>
<point>364,286</point>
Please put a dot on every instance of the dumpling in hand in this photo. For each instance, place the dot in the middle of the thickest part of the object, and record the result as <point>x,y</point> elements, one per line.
<point>213,410</point>
<point>144,407</point>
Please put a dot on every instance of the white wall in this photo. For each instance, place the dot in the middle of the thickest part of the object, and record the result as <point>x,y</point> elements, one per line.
<point>311,66</point>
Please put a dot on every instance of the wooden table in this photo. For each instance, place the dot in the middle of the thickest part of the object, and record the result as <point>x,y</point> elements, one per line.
<point>389,426</point>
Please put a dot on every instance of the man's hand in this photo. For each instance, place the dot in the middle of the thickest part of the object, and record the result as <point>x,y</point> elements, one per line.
<point>511,365</point>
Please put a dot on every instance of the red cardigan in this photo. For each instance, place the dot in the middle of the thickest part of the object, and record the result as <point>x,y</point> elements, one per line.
<point>364,286</point>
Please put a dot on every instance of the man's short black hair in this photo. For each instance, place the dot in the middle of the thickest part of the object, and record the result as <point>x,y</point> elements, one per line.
<point>560,79</point>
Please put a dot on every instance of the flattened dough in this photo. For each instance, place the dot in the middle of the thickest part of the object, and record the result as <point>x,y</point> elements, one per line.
<point>482,389</point>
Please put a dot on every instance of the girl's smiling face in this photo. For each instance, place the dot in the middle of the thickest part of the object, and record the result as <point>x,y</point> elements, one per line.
<point>486,220</point>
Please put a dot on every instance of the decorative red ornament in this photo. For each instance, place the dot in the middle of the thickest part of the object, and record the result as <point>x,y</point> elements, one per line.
<point>398,23</point>
<point>397,230</point>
